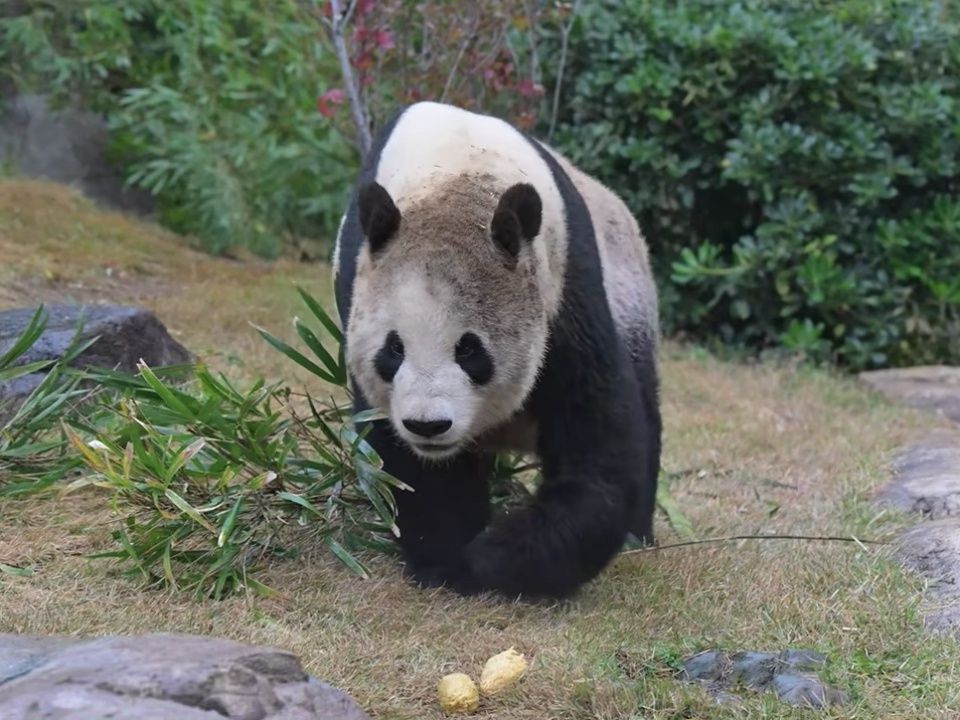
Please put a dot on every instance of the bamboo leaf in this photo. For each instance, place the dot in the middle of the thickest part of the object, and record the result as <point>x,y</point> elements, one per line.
<point>675,516</point>
<point>16,571</point>
<point>299,500</point>
<point>166,394</point>
<point>11,373</point>
<point>228,522</point>
<point>30,334</point>
<point>346,558</point>
<point>320,314</point>
<point>189,510</point>
<point>296,356</point>
<point>338,373</point>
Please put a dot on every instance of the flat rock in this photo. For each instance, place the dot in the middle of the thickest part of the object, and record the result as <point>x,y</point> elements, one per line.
<point>933,550</point>
<point>709,666</point>
<point>802,660</point>
<point>926,477</point>
<point>126,334</point>
<point>790,674</point>
<point>805,690</point>
<point>160,677</point>
<point>930,387</point>
<point>753,669</point>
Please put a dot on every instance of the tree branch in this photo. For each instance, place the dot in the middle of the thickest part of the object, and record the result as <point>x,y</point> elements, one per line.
<point>564,41</point>
<point>338,22</point>
<point>532,11</point>
<point>467,39</point>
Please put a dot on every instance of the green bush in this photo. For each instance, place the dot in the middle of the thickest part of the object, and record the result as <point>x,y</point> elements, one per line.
<point>212,105</point>
<point>795,165</point>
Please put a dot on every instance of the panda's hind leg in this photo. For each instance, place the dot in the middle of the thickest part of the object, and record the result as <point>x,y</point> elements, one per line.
<point>645,369</point>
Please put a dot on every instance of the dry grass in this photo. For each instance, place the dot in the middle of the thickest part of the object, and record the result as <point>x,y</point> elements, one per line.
<point>748,449</point>
<point>57,247</point>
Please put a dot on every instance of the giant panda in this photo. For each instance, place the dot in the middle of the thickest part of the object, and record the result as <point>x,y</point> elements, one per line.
<point>494,297</point>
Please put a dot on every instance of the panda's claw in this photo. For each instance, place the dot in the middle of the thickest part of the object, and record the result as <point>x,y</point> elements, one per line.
<point>455,577</point>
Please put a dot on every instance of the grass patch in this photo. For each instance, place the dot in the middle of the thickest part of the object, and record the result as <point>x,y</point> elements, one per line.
<point>750,448</point>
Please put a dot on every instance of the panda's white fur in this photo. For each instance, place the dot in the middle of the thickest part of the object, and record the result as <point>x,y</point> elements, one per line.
<point>567,318</point>
<point>433,145</point>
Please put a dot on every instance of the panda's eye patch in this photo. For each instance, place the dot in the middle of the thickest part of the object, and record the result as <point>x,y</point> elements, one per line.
<point>473,358</point>
<point>389,357</point>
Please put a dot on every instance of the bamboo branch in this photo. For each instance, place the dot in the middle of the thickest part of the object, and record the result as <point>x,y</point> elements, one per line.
<point>731,538</point>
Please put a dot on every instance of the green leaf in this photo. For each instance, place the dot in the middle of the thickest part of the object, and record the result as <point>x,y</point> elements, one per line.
<point>320,314</point>
<point>369,416</point>
<point>346,558</point>
<point>188,509</point>
<point>168,567</point>
<point>296,356</point>
<point>298,500</point>
<point>228,522</point>
<point>30,334</point>
<point>11,373</point>
<point>678,521</point>
<point>168,396</point>
<point>16,571</point>
<point>337,372</point>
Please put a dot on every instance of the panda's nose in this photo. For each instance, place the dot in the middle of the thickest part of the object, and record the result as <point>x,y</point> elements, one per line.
<point>427,428</point>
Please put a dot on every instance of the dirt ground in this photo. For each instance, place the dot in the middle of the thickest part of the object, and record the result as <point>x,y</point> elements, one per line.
<point>749,448</point>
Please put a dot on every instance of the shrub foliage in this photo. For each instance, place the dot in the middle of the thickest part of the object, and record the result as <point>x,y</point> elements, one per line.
<point>796,166</point>
<point>212,105</point>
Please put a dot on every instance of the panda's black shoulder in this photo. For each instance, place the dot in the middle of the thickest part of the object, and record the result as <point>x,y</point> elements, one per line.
<point>583,288</point>
<point>585,356</point>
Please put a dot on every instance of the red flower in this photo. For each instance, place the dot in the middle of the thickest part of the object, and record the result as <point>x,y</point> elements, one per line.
<point>383,39</point>
<point>326,103</point>
<point>528,88</point>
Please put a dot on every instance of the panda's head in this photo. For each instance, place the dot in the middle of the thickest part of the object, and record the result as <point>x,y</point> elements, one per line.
<point>447,328</point>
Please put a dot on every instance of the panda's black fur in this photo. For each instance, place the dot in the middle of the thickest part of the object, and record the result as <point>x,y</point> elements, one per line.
<point>597,411</point>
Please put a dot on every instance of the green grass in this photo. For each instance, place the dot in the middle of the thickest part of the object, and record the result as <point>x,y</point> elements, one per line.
<point>750,448</point>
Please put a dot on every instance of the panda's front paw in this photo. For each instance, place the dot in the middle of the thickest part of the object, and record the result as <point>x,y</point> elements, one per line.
<point>454,576</point>
<point>428,577</point>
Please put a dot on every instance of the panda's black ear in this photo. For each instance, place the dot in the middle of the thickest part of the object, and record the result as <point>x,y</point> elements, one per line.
<point>517,218</point>
<point>379,217</point>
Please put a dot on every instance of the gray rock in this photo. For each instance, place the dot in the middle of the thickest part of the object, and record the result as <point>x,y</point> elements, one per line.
<point>159,677</point>
<point>753,669</point>
<point>66,145</point>
<point>934,387</point>
<point>21,654</point>
<point>933,550</point>
<point>126,334</point>
<point>926,477</point>
<point>805,690</point>
<point>799,659</point>
<point>709,666</point>
<point>790,674</point>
